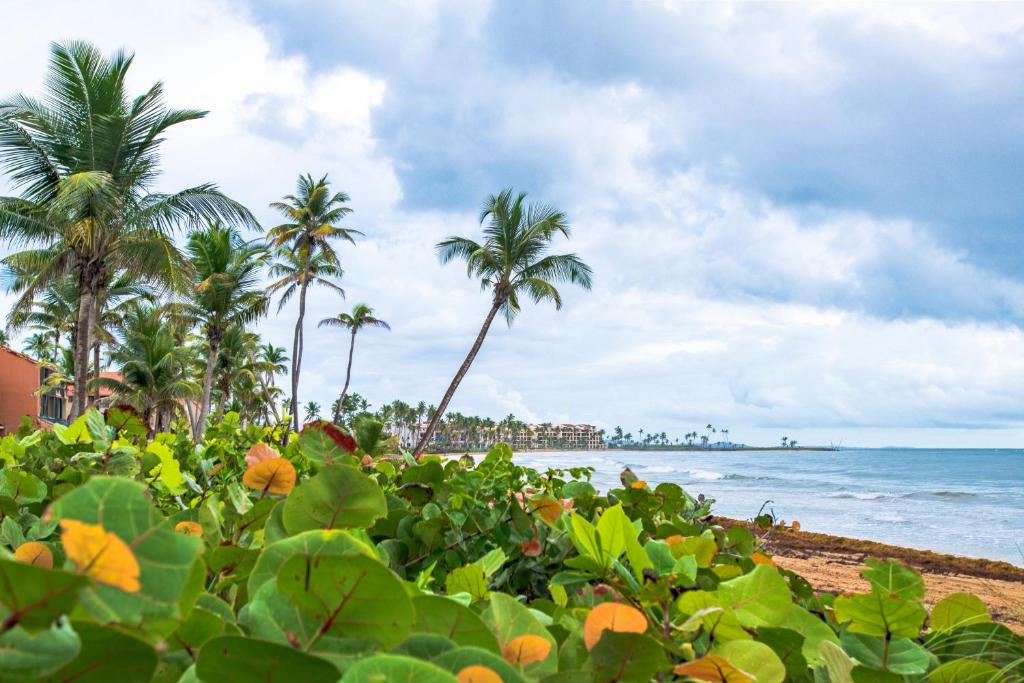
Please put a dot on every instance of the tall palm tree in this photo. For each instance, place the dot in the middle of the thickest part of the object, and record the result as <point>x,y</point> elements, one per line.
<point>225,292</point>
<point>311,214</point>
<point>84,158</point>
<point>360,317</point>
<point>511,262</point>
<point>38,346</point>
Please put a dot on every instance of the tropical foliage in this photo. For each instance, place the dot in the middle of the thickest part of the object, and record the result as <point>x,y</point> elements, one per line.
<point>132,558</point>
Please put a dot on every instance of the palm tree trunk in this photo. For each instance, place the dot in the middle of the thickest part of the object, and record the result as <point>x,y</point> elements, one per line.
<point>348,376</point>
<point>204,407</point>
<point>82,334</point>
<point>96,368</point>
<point>463,369</point>
<point>297,355</point>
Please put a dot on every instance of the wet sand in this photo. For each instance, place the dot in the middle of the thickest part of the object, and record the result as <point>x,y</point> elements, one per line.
<point>833,564</point>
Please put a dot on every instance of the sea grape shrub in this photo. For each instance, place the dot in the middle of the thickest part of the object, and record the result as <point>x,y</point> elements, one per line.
<point>135,558</point>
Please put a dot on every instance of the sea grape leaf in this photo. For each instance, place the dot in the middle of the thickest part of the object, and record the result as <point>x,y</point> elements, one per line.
<point>508,618</point>
<point>169,573</point>
<point>706,609</point>
<point>759,598</point>
<point>627,657</point>
<point>903,655</point>
<point>326,444</point>
<point>168,470</point>
<point>584,536</point>
<point>107,655</point>
<point>468,579</point>
<point>352,596</point>
<point>445,617</point>
<point>813,629</point>
<point>396,669</point>
<point>275,476</point>
<point>613,528</point>
<point>893,578</point>
<point>22,487</point>
<point>862,674</point>
<point>100,554</point>
<point>333,542</point>
<point>34,597</point>
<point>198,627</point>
<point>492,562</point>
<point>424,646</point>
<point>754,658</point>
<point>31,656</point>
<point>958,609</point>
<point>77,432</point>
<point>661,557</point>
<point>337,497</point>
<point>788,646</point>
<point>712,668</point>
<point>836,661</point>
<point>247,660</point>
<point>702,548</point>
<point>463,657</point>
<point>126,422</point>
<point>612,617</point>
<point>878,614</point>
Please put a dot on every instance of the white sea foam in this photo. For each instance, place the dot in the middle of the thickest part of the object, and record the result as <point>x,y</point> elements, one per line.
<point>705,475</point>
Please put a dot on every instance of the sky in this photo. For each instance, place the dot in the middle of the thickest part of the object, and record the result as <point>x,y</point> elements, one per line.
<point>804,220</point>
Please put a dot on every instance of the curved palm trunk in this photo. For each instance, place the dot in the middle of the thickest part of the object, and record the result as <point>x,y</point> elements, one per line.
<point>82,335</point>
<point>463,369</point>
<point>204,407</point>
<point>348,376</point>
<point>297,355</point>
<point>96,368</point>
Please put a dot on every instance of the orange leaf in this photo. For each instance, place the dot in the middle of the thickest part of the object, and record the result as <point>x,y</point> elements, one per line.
<point>260,452</point>
<point>478,674</point>
<point>548,508</point>
<point>531,548</point>
<point>189,528</point>
<point>100,554</point>
<point>35,553</point>
<point>638,484</point>
<point>272,476</point>
<point>525,650</point>
<point>714,669</point>
<point>795,526</point>
<point>761,558</point>
<point>674,539</point>
<point>612,616</point>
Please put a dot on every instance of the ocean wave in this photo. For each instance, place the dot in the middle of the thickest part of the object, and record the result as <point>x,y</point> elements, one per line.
<point>941,494</point>
<point>705,475</point>
<point>659,469</point>
<point>859,496</point>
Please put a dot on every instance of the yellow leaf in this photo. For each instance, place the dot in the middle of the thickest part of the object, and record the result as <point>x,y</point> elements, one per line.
<point>761,558</point>
<point>35,553</point>
<point>100,554</point>
<point>189,528</point>
<point>525,650</point>
<point>271,476</point>
<point>714,669</point>
<point>548,508</point>
<point>612,616</point>
<point>478,674</point>
<point>638,484</point>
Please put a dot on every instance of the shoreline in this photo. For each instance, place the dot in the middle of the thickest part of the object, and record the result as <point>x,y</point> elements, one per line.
<point>833,563</point>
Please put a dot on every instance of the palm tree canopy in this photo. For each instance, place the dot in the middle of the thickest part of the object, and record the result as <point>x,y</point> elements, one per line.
<point>312,214</point>
<point>513,258</point>
<point>291,272</point>
<point>360,317</point>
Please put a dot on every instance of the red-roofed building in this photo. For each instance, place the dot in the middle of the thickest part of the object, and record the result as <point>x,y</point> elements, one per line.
<point>20,378</point>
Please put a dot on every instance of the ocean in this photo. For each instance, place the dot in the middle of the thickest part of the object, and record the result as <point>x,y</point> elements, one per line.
<point>963,502</point>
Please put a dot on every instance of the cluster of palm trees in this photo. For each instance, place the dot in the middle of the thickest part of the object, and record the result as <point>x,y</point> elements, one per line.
<point>100,278</point>
<point>622,439</point>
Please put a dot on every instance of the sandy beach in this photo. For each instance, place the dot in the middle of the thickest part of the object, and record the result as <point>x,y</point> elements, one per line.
<point>833,564</point>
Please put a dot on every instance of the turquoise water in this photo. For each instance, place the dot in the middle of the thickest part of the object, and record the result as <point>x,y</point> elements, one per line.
<point>964,502</point>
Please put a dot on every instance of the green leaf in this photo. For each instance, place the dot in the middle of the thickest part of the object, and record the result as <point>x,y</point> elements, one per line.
<point>627,657</point>
<point>352,596</point>
<point>754,658</point>
<point>813,629</point>
<point>333,542</point>
<point>75,433</point>
<point>247,660</point>
<point>903,655</point>
<point>788,646</point>
<point>760,598</point>
<point>507,618</point>
<point>445,617</point>
<point>584,537</point>
<point>108,655</point>
<point>958,609</point>
<point>395,669</point>
<point>878,614</point>
<point>23,487</point>
<point>325,444</point>
<point>126,422</point>
<point>458,659</point>
<point>469,579</point>
<point>661,557</point>
<point>491,562</point>
<point>198,627</point>
<point>964,671</point>
<point>706,610</point>
<point>614,528</point>
<point>893,578</point>
<point>424,646</point>
<point>32,656</point>
<point>837,663</point>
<point>11,533</point>
<point>168,469</point>
<point>337,497</point>
<point>167,560</point>
<point>702,548</point>
<point>34,597</point>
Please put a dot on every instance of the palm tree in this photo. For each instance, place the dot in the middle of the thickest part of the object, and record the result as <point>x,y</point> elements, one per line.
<point>225,293</point>
<point>312,215</point>
<point>85,158</point>
<point>312,411</point>
<point>511,262</point>
<point>38,346</point>
<point>153,366</point>
<point>360,317</point>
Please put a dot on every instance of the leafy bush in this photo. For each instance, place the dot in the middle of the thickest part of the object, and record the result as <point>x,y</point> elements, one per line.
<point>240,559</point>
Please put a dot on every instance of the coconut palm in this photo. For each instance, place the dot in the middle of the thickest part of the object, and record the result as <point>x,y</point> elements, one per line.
<point>512,262</point>
<point>84,159</point>
<point>225,292</point>
<point>305,240</point>
<point>38,346</point>
<point>360,317</point>
<point>312,411</point>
